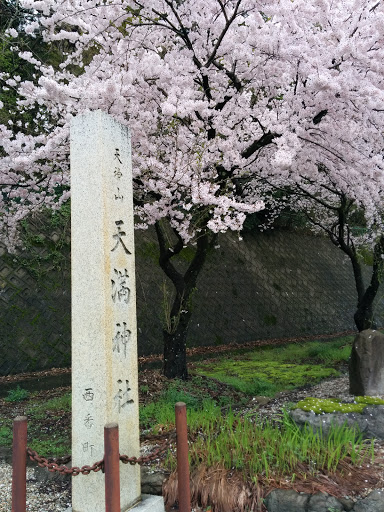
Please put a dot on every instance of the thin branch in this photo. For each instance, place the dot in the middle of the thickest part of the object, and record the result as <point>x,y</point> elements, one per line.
<point>316,199</point>
<point>236,82</point>
<point>25,185</point>
<point>374,7</point>
<point>221,37</point>
<point>323,147</point>
<point>223,10</point>
<point>321,226</point>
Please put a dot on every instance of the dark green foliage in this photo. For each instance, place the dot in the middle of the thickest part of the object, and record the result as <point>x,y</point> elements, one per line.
<point>46,240</point>
<point>16,395</point>
<point>5,435</point>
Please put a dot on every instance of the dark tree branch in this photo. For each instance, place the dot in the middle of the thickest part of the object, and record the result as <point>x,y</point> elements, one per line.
<point>221,37</point>
<point>166,253</point>
<point>223,10</point>
<point>230,74</point>
<point>264,140</point>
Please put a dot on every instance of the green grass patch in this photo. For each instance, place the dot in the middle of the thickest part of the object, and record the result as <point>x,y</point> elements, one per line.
<point>47,441</point>
<point>161,412</point>
<point>267,377</point>
<point>5,435</point>
<point>59,403</point>
<point>369,400</point>
<point>52,447</point>
<point>330,352</point>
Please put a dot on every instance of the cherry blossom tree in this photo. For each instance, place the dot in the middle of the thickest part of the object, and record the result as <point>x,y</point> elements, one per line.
<point>226,100</point>
<point>336,211</point>
<point>331,166</point>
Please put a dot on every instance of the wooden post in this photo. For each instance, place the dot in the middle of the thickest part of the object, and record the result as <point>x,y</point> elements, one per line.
<point>19,460</point>
<point>184,491</point>
<point>111,467</point>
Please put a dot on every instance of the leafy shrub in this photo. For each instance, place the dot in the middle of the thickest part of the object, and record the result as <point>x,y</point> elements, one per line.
<point>17,395</point>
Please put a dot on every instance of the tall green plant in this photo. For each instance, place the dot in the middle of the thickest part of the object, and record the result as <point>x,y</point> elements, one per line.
<point>275,450</point>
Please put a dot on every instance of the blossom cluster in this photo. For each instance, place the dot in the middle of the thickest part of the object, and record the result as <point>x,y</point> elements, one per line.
<point>226,101</point>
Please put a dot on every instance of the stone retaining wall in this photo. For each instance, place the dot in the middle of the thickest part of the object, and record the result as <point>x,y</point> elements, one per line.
<point>277,284</point>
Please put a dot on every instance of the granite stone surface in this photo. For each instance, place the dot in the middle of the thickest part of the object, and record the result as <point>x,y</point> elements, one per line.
<point>104,346</point>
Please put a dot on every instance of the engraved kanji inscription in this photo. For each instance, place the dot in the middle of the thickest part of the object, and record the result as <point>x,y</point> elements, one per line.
<point>119,195</point>
<point>120,290</point>
<point>88,394</point>
<point>89,421</point>
<point>121,339</point>
<point>117,171</point>
<point>122,397</point>
<point>119,237</point>
<point>117,155</point>
<point>87,447</point>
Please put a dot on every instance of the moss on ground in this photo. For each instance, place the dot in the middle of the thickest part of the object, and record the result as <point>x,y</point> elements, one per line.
<point>278,375</point>
<point>369,400</point>
<point>267,370</point>
<point>330,405</point>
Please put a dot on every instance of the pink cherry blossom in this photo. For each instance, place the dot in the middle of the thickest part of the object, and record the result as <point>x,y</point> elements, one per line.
<point>226,101</point>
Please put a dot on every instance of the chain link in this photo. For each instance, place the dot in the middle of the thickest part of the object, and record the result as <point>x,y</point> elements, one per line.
<point>59,464</point>
<point>144,459</point>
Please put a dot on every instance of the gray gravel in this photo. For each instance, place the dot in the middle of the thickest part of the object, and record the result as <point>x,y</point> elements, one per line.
<point>54,496</point>
<point>331,388</point>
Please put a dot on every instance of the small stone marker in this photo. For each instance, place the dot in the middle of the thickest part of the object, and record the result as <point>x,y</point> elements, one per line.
<point>366,366</point>
<point>104,344</point>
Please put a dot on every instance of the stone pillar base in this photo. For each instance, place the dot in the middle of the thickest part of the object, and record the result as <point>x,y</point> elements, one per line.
<point>149,503</point>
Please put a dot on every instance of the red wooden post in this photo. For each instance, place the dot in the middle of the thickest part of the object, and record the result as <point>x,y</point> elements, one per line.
<point>19,461</point>
<point>111,467</point>
<point>184,491</point>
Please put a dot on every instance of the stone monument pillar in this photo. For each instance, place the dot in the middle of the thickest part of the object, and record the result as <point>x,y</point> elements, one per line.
<point>104,346</point>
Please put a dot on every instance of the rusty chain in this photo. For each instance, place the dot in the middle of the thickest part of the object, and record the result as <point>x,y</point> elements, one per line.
<point>144,459</point>
<point>59,464</point>
<point>52,465</point>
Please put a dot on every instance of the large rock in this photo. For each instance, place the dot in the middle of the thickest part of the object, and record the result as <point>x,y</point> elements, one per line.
<point>374,502</point>
<point>366,369</point>
<point>370,422</point>
<point>280,500</point>
<point>322,502</point>
<point>152,480</point>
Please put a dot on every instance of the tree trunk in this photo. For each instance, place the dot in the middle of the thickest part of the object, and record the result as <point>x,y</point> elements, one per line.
<point>364,316</point>
<point>364,313</point>
<point>175,351</point>
<point>178,318</point>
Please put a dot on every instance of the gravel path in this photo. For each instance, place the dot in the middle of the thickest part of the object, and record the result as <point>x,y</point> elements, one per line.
<point>51,496</point>
<point>331,388</point>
